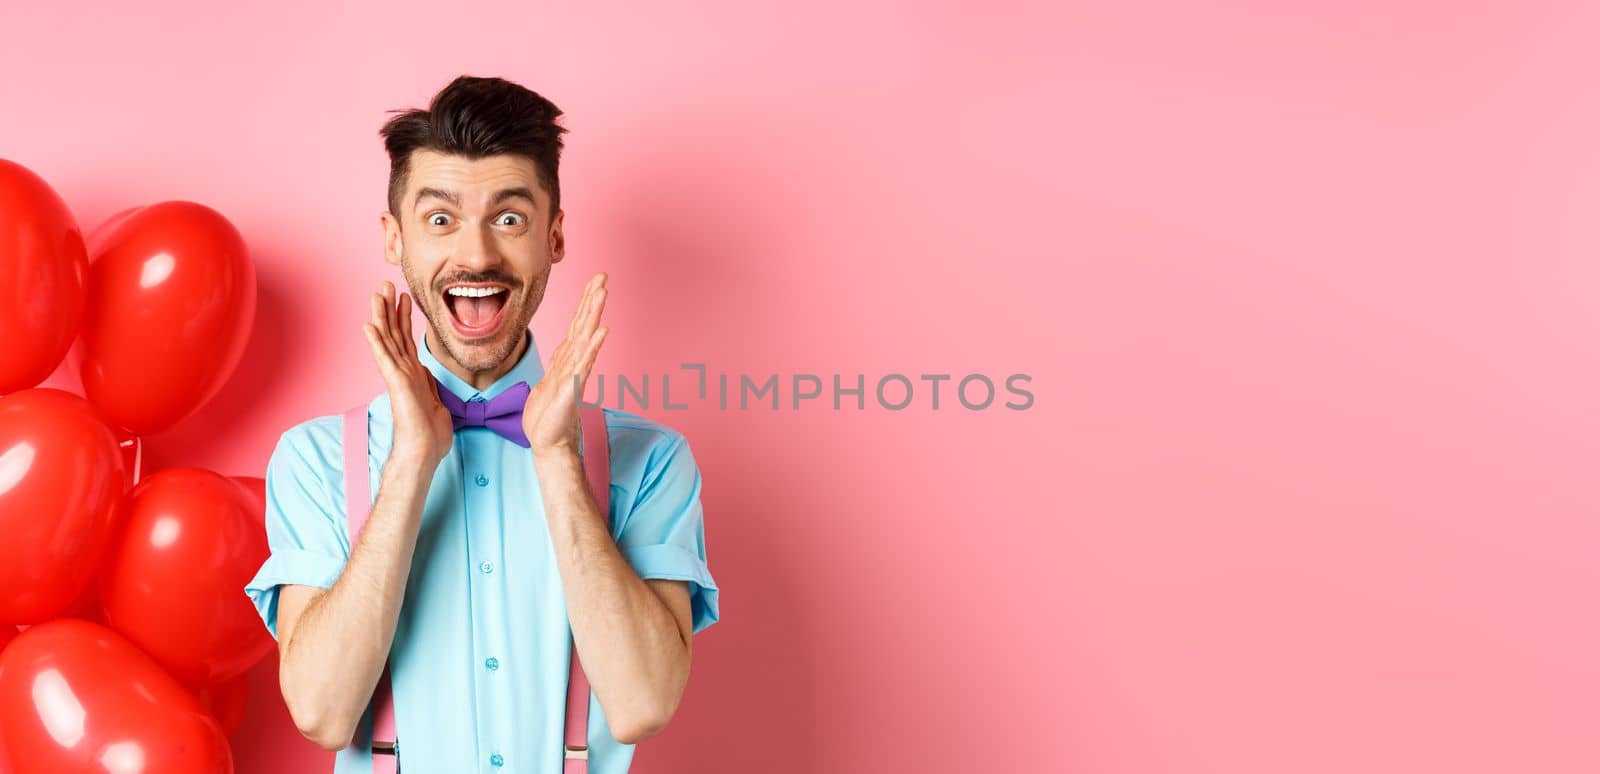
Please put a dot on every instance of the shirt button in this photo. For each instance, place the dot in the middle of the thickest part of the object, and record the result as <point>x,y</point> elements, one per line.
<point>486,567</point>
<point>481,480</point>
<point>496,761</point>
<point>492,664</point>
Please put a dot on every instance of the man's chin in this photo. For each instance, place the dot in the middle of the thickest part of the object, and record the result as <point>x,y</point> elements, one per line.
<point>484,353</point>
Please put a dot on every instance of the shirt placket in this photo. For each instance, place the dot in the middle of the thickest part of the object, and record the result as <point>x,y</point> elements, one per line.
<point>486,567</point>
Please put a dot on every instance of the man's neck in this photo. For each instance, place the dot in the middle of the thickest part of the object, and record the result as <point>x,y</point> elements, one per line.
<point>481,380</point>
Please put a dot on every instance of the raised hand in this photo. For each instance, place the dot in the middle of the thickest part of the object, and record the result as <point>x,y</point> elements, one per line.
<point>550,417</point>
<point>422,427</point>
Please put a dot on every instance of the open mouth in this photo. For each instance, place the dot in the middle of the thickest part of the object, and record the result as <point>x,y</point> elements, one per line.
<point>476,311</point>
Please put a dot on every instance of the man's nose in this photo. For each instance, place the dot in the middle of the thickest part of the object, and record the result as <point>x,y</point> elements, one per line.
<point>477,248</point>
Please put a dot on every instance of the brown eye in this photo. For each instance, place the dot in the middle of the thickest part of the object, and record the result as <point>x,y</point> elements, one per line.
<point>516,218</point>
<point>438,219</point>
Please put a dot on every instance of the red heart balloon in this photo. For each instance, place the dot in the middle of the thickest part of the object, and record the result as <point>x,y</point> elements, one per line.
<point>133,462</point>
<point>60,477</point>
<point>43,266</point>
<point>7,634</point>
<point>174,581</point>
<point>171,300</point>
<point>77,697</point>
<point>226,701</point>
<point>97,238</point>
<point>257,487</point>
<point>86,606</point>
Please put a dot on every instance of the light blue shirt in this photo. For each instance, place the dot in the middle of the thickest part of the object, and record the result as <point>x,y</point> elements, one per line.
<point>483,644</point>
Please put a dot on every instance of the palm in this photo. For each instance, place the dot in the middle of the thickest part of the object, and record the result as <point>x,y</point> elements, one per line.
<point>421,422</point>
<point>550,417</point>
<point>425,409</point>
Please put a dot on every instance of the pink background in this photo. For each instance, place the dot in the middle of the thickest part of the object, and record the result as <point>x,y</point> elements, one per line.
<point>1306,294</point>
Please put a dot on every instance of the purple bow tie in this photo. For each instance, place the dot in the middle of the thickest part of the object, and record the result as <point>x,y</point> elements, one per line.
<point>502,415</point>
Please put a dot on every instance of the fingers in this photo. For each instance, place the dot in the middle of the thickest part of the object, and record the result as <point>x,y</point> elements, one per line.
<point>594,289</point>
<point>587,318</point>
<point>569,352</point>
<point>391,318</point>
<point>391,322</point>
<point>390,307</point>
<point>380,354</point>
<point>579,359</point>
<point>408,345</point>
<point>389,336</point>
<point>377,311</point>
<point>595,308</point>
<point>583,320</point>
<point>582,364</point>
<point>590,353</point>
<point>380,326</point>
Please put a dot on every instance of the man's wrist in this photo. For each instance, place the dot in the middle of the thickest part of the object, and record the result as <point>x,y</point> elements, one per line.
<point>408,466</point>
<point>556,461</point>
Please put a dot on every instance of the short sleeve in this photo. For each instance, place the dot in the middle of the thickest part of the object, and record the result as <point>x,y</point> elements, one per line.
<point>663,535</point>
<point>304,518</point>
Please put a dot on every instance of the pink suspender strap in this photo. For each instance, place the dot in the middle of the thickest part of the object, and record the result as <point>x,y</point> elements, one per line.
<point>596,450</point>
<point>358,505</point>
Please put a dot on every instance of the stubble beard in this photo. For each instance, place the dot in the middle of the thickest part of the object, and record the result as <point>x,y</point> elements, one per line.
<point>481,358</point>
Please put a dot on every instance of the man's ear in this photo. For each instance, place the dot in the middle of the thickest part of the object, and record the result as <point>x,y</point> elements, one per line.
<point>558,242</point>
<point>393,243</point>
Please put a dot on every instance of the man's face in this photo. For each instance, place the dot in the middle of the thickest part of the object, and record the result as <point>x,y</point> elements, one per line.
<point>476,242</point>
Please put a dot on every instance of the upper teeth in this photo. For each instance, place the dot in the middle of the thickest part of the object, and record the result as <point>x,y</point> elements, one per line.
<point>474,292</point>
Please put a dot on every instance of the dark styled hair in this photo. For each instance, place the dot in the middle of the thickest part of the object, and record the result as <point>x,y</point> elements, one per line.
<point>477,117</point>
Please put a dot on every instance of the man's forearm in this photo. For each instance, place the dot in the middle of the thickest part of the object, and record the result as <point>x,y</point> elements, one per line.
<point>632,649</point>
<point>337,650</point>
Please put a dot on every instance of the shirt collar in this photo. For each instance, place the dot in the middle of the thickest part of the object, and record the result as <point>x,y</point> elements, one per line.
<point>528,369</point>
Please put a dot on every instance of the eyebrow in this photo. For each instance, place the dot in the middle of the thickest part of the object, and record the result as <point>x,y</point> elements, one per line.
<point>455,199</point>
<point>512,193</point>
<point>449,196</point>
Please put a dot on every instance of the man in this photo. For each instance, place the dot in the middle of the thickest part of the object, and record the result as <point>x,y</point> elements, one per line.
<point>484,560</point>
